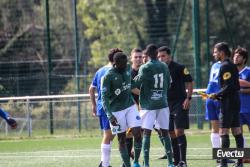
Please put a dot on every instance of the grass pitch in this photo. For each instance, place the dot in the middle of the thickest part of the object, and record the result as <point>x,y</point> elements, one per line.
<point>84,151</point>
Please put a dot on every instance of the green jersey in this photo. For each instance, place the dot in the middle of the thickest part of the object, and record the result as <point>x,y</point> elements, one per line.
<point>116,91</point>
<point>154,80</point>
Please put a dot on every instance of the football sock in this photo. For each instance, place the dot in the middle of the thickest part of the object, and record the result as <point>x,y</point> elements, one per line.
<point>146,148</point>
<point>125,156</point>
<point>137,150</point>
<point>106,150</point>
<point>182,142</point>
<point>245,142</point>
<point>3,114</point>
<point>176,150</point>
<point>129,143</point>
<point>225,143</point>
<point>168,148</point>
<point>161,139</point>
<point>215,140</point>
<point>239,143</point>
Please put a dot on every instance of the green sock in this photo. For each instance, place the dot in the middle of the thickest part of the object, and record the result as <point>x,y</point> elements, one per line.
<point>161,139</point>
<point>125,156</point>
<point>146,147</point>
<point>168,148</point>
<point>137,151</point>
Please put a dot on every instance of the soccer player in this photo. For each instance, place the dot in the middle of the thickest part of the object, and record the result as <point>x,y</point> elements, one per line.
<point>154,80</point>
<point>10,121</point>
<point>229,99</point>
<point>179,102</point>
<point>213,106</point>
<point>97,109</point>
<point>240,59</point>
<point>144,57</point>
<point>120,108</point>
<point>136,60</point>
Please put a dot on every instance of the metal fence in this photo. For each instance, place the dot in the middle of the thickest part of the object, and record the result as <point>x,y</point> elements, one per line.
<point>32,115</point>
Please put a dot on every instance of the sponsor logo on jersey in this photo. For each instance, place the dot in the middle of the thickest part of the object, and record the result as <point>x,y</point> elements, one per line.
<point>117,92</point>
<point>156,95</point>
<point>226,75</point>
<point>138,117</point>
<point>186,72</point>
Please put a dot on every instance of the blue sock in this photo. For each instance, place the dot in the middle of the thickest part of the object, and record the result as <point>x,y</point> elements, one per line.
<point>4,114</point>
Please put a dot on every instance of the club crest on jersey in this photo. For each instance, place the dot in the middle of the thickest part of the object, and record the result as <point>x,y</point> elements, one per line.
<point>117,92</point>
<point>226,75</point>
<point>186,72</point>
<point>137,117</point>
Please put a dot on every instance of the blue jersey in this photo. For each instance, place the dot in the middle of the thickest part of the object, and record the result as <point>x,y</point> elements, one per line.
<point>244,97</point>
<point>213,84</point>
<point>97,83</point>
<point>4,114</point>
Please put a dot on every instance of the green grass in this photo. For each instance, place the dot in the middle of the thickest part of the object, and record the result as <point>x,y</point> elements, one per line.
<point>84,151</point>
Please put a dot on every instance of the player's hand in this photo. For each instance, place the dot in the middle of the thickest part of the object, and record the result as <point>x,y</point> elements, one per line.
<point>93,110</point>
<point>186,104</point>
<point>213,96</point>
<point>12,123</point>
<point>113,120</point>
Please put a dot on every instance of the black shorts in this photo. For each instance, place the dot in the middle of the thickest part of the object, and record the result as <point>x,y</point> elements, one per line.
<point>230,112</point>
<point>179,118</point>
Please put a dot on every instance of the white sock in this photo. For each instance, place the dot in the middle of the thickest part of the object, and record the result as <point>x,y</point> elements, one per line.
<point>245,142</point>
<point>215,140</point>
<point>106,150</point>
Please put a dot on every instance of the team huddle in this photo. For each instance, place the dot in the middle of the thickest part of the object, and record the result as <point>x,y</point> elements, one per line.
<point>155,93</point>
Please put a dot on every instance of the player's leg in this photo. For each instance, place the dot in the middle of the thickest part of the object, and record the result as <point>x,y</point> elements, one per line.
<point>121,117</point>
<point>212,114</point>
<point>157,129</point>
<point>162,120</point>
<point>236,129</point>
<point>134,122</point>
<point>224,125</point>
<point>181,123</point>
<point>148,119</point>
<point>4,114</point>
<point>106,141</point>
<point>11,122</point>
<point>174,140</point>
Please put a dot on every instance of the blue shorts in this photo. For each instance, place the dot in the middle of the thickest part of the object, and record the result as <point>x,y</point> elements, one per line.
<point>212,110</point>
<point>245,119</point>
<point>104,122</point>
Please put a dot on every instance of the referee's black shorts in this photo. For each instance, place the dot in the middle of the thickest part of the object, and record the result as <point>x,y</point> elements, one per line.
<point>179,118</point>
<point>230,111</point>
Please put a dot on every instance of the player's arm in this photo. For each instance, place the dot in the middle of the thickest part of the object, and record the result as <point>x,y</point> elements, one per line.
<point>189,88</point>
<point>92,99</point>
<point>244,83</point>
<point>106,99</point>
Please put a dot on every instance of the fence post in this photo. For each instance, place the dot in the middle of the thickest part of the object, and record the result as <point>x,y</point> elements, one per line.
<point>28,117</point>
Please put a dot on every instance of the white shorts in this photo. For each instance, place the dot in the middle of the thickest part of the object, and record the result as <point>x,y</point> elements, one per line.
<point>158,117</point>
<point>127,118</point>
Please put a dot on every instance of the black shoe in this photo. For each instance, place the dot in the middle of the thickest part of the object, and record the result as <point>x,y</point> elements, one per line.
<point>237,165</point>
<point>100,165</point>
<point>163,157</point>
<point>181,164</point>
<point>228,161</point>
<point>221,165</point>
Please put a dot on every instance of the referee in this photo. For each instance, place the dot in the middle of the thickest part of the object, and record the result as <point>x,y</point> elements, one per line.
<point>228,95</point>
<point>179,103</point>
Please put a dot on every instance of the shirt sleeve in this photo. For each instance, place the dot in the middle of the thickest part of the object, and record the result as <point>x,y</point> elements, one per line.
<point>226,77</point>
<point>95,80</point>
<point>138,79</point>
<point>106,95</point>
<point>186,74</point>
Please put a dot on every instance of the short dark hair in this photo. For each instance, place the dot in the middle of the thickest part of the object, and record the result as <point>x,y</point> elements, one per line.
<point>136,50</point>
<point>112,53</point>
<point>223,46</point>
<point>151,51</point>
<point>165,49</point>
<point>119,56</point>
<point>243,52</point>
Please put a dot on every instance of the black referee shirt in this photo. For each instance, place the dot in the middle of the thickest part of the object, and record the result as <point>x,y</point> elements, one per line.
<point>228,79</point>
<point>179,75</point>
